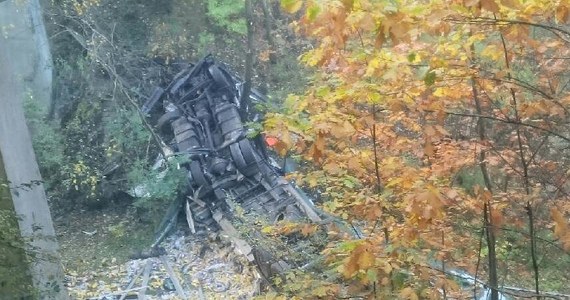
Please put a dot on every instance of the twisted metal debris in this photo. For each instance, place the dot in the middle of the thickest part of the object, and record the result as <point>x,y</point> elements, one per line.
<point>204,115</point>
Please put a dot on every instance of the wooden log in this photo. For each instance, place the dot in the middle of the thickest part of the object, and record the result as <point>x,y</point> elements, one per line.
<point>131,284</point>
<point>173,277</point>
<point>146,275</point>
<point>189,218</point>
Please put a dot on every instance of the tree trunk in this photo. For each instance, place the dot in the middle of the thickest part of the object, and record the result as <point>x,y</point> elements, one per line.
<point>20,65</point>
<point>249,53</point>
<point>487,210</point>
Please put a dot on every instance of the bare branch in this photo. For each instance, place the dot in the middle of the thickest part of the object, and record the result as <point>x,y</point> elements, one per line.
<point>508,121</point>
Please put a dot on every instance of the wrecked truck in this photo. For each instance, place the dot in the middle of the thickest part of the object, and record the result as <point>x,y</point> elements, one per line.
<point>203,116</point>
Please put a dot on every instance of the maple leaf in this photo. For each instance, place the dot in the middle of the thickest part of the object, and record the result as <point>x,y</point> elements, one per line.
<point>361,258</point>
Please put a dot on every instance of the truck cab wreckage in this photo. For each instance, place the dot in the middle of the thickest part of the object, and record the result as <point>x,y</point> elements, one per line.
<point>203,115</point>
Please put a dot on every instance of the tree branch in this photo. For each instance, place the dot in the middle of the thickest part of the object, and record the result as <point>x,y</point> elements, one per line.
<point>508,121</point>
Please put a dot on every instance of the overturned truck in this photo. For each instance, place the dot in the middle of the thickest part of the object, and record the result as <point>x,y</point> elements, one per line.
<point>203,116</point>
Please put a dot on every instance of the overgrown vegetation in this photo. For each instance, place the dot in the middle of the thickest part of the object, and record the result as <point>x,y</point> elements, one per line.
<point>439,129</point>
<point>227,15</point>
<point>94,150</point>
<point>15,278</point>
<point>94,142</point>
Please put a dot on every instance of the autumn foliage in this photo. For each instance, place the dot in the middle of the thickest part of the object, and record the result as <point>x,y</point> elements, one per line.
<point>441,129</point>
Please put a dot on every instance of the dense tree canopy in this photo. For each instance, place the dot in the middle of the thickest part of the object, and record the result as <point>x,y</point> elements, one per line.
<point>431,124</point>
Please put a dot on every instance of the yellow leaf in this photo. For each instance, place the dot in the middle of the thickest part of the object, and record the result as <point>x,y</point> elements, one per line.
<point>492,52</point>
<point>409,294</point>
<point>366,259</point>
<point>387,268</point>
<point>267,229</point>
<point>361,258</point>
<point>373,65</point>
<point>291,6</point>
<point>511,3</point>
<point>439,92</point>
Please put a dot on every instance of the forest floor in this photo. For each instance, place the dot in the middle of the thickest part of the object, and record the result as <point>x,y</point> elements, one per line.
<point>96,247</point>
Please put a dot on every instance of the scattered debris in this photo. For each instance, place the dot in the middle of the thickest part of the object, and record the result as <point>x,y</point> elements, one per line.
<point>90,232</point>
<point>182,274</point>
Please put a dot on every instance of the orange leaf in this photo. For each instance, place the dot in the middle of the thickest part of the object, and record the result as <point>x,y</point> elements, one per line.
<point>562,13</point>
<point>271,140</point>
<point>361,258</point>
<point>351,266</point>
<point>561,228</point>
<point>429,130</point>
<point>333,168</point>
<point>354,164</point>
<point>497,220</point>
<point>428,148</point>
<point>560,223</point>
<point>490,5</point>
<point>308,229</point>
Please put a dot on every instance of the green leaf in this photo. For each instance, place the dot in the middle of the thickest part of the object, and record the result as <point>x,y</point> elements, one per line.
<point>430,77</point>
<point>372,275</point>
<point>323,91</point>
<point>312,12</point>
<point>349,245</point>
